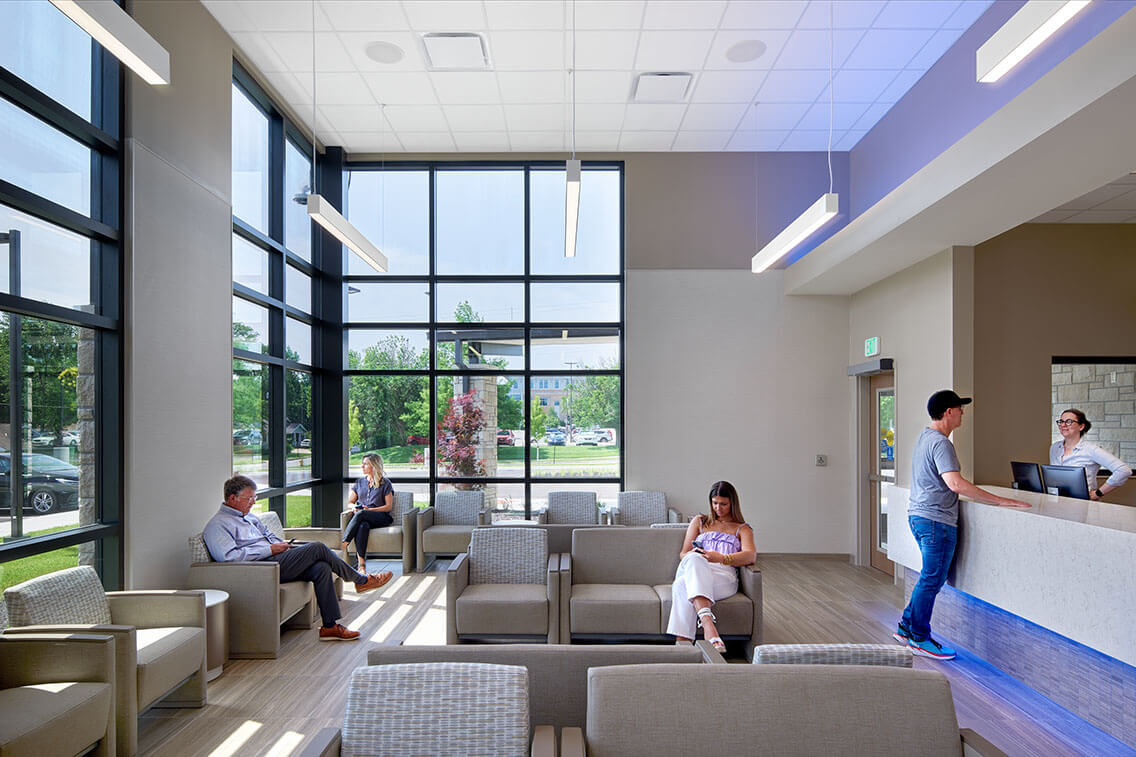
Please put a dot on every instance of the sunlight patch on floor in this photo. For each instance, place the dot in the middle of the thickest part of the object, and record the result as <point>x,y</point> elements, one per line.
<point>431,630</point>
<point>427,582</point>
<point>286,744</point>
<point>236,740</point>
<point>391,623</point>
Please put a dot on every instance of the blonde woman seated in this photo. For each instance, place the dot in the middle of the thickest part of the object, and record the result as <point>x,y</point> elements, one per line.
<point>373,499</point>
<point>715,545</point>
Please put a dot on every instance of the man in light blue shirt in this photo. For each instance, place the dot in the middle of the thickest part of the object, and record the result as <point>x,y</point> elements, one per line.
<point>236,535</point>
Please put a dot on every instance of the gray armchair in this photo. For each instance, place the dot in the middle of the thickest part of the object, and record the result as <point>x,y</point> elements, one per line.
<point>505,588</point>
<point>395,539</point>
<point>570,507</point>
<point>159,638</point>
<point>436,708</point>
<point>444,527</point>
<point>640,508</point>
<point>33,711</point>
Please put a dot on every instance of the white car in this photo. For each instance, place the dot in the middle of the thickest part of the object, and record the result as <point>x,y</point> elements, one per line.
<point>587,437</point>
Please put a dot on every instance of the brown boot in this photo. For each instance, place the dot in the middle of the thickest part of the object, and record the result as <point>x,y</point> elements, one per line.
<point>374,581</point>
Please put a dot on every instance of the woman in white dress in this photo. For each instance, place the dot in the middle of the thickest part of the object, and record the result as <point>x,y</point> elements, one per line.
<point>1072,450</point>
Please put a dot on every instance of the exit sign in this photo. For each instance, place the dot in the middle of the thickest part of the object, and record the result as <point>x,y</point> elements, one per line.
<point>871,346</point>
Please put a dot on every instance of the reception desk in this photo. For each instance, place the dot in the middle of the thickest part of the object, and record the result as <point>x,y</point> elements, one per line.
<point>1047,594</point>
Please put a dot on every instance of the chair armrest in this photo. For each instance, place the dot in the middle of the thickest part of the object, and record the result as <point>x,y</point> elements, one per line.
<point>326,743</point>
<point>749,583</point>
<point>332,537</point>
<point>975,744</point>
<point>544,741</point>
<point>345,518</point>
<point>252,585</point>
<point>27,659</point>
<point>673,516</point>
<point>572,742</point>
<point>409,540</point>
<point>608,516</point>
<point>425,518</point>
<point>709,653</point>
<point>542,516</point>
<point>553,582</point>
<point>457,579</point>
<point>484,517</point>
<point>565,597</point>
<point>157,609</point>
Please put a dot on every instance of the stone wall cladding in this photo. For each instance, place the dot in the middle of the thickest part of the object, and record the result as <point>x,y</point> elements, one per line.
<point>1106,393</point>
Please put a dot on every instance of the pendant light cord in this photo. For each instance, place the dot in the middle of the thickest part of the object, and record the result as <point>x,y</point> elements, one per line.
<point>573,79</point>
<point>312,190</point>
<point>831,46</point>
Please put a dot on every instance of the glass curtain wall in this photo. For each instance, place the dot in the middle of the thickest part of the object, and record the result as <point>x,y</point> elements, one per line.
<point>274,437</point>
<point>60,341</point>
<point>485,359</point>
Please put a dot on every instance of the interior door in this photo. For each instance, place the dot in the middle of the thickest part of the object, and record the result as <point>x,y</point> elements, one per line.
<point>882,456</point>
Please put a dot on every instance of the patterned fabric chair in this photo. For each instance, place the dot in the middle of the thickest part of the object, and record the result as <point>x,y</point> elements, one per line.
<point>892,655</point>
<point>642,509</point>
<point>82,667</point>
<point>259,604</point>
<point>570,507</point>
<point>444,527</point>
<point>436,708</point>
<point>159,638</point>
<point>505,588</point>
<point>395,539</point>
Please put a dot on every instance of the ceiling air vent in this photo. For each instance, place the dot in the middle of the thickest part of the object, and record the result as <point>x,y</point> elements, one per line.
<point>662,87</point>
<point>456,51</point>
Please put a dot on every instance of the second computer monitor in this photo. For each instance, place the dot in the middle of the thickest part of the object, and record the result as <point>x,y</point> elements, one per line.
<point>1067,480</point>
<point>1027,477</point>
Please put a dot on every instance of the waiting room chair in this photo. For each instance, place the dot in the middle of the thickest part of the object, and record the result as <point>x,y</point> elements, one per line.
<point>444,527</point>
<point>640,508</point>
<point>447,708</point>
<point>570,507</point>
<point>49,680</point>
<point>397,538</point>
<point>892,655</point>
<point>505,588</point>
<point>159,638</point>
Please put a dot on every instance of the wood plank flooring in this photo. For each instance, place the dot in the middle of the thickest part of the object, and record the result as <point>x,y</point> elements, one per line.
<point>274,707</point>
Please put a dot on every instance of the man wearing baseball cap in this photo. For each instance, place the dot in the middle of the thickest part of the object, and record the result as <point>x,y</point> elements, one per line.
<point>932,513</point>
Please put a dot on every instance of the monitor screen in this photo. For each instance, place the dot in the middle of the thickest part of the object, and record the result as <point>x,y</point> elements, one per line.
<point>1027,477</point>
<point>1065,481</point>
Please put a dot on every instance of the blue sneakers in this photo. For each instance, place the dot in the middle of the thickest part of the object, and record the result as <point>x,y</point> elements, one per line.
<point>930,648</point>
<point>902,635</point>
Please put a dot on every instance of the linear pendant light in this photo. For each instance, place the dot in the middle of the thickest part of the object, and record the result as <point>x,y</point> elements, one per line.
<point>1035,22</point>
<point>121,36</point>
<point>572,166</point>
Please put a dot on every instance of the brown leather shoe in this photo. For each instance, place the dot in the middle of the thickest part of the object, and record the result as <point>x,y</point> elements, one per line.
<point>338,633</point>
<point>374,581</point>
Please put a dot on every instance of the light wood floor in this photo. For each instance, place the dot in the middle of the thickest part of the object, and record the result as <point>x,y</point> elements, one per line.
<point>275,706</point>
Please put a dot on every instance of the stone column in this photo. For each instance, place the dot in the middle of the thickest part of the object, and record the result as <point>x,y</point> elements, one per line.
<point>484,398</point>
<point>85,403</point>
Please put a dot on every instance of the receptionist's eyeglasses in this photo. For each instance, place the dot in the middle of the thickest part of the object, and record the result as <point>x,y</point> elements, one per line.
<point>1065,421</point>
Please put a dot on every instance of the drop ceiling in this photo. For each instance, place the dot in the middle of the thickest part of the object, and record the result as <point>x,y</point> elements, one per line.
<point>522,102</point>
<point>1112,203</point>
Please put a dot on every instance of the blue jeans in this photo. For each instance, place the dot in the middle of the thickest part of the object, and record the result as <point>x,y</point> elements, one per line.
<point>937,545</point>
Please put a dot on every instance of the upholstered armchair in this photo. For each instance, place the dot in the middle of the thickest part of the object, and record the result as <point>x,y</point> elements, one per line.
<point>891,655</point>
<point>159,638</point>
<point>395,539</point>
<point>570,507</point>
<point>642,509</point>
<point>444,527</point>
<point>505,588</point>
<point>436,708</point>
<point>81,667</point>
<point>329,537</point>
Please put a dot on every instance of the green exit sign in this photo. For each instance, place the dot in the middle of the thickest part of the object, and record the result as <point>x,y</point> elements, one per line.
<point>871,346</point>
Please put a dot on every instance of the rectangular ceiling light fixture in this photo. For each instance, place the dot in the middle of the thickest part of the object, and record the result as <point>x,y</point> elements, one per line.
<point>820,213</point>
<point>1035,22</point>
<point>662,87</point>
<point>121,36</point>
<point>339,227</point>
<point>571,206</point>
<point>455,51</point>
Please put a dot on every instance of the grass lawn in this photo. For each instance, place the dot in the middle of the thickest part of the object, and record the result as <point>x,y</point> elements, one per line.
<point>18,571</point>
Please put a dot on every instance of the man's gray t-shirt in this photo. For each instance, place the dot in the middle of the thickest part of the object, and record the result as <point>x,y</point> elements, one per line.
<point>931,498</point>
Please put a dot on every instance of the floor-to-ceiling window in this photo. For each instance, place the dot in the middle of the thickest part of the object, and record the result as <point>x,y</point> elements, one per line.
<point>274,433</point>
<point>485,358</point>
<point>60,344</point>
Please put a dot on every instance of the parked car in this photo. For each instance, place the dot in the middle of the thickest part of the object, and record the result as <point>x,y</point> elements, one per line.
<point>505,438</point>
<point>51,483</point>
<point>43,439</point>
<point>71,438</point>
<point>555,437</point>
<point>605,435</point>
<point>306,443</point>
<point>587,438</point>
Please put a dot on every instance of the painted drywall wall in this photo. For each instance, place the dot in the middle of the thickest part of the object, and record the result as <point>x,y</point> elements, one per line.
<point>727,378</point>
<point>1043,290</point>
<point>178,281</point>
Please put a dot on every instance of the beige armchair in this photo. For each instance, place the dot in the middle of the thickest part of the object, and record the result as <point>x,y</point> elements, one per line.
<point>505,588</point>
<point>397,538</point>
<point>159,638</point>
<point>329,537</point>
<point>570,507</point>
<point>638,508</point>
<point>81,667</point>
<point>444,527</point>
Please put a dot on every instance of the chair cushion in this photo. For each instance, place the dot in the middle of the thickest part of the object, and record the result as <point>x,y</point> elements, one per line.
<point>71,596</point>
<point>572,507</point>
<point>645,556</point>
<point>53,718</point>
<point>614,608</point>
<point>166,657</point>
<point>503,555</point>
<point>386,540</point>
<point>437,708</point>
<point>198,552</point>
<point>451,540</point>
<point>508,609</point>
<point>734,614</point>
<point>293,596</point>
<point>459,508</point>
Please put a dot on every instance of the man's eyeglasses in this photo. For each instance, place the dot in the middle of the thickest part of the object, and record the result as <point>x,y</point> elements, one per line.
<point>247,498</point>
<point>1065,421</point>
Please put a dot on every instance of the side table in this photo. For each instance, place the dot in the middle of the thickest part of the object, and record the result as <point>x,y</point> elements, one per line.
<point>216,632</point>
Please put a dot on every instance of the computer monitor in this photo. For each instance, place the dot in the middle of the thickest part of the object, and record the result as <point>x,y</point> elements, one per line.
<point>1065,481</point>
<point>1027,477</point>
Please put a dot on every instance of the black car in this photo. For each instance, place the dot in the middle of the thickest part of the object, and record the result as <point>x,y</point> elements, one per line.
<point>51,484</point>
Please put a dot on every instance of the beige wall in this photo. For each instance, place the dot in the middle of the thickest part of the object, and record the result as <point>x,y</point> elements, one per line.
<point>178,386</point>
<point>1043,290</point>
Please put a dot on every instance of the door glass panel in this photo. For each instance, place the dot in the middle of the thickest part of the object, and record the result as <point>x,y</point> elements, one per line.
<point>885,457</point>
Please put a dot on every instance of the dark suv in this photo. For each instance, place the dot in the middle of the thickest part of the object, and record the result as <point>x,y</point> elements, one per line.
<point>51,483</point>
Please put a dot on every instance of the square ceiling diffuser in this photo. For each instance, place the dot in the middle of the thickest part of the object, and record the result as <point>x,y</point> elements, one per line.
<point>456,51</point>
<point>661,87</point>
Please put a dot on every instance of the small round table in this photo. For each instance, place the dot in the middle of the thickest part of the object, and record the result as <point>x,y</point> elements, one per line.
<point>216,632</point>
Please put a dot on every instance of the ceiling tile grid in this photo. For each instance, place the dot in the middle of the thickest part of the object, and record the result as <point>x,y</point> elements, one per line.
<point>760,69</point>
<point>1112,203</point>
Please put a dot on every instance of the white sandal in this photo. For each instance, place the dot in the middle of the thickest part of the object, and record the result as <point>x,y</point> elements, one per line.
<point>715,641</point>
